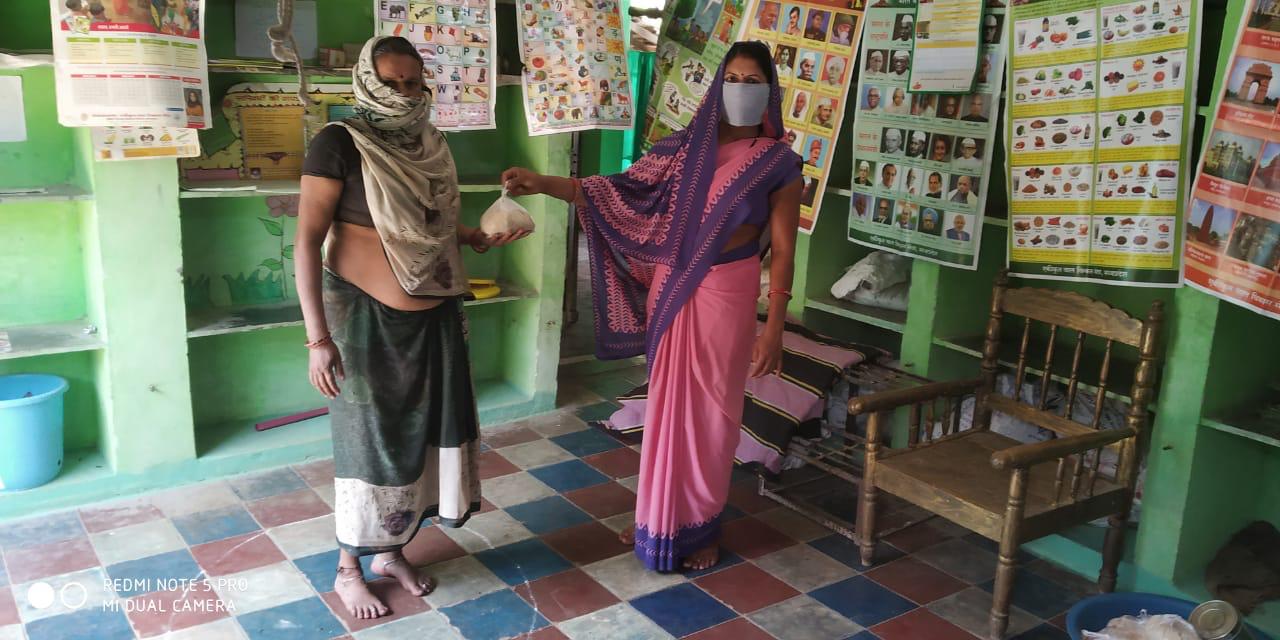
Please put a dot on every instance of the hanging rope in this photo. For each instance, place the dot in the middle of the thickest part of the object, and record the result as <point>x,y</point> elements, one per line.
<point>285,48</point>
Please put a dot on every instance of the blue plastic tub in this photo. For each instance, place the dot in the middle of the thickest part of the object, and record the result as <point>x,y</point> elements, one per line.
<point>1093,614</point>
<point>30,430</point>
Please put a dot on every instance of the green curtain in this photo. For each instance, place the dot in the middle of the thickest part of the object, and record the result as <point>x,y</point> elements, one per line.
<point>641,64</point>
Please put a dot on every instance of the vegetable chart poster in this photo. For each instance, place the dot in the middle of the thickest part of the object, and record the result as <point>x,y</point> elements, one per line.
<point>1102,105</point>
<point>922,161</point>
<point>575,61</point>
<point>1233,228</point>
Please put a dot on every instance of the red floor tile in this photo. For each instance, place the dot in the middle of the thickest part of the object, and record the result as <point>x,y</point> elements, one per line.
<point>751,538</point>
<point>916,580</point>
<point>746,588</point>
<point>736,629</point>
<point>917,538</point>
<point>401,603</point>
<point>286,508</point>
<point>586,543</point>
<point>160,612</point>
<point>50,559</point>
<point>747,498</point>
<point>493,465</point>
<point>509,437</point>
<point>432,546</point>
<point>485,507</point>
<point>316,474</point>
<point>99,519</point>
<point>604,500</point>
<point>233,555</point>
<point>8,608</point>
<point>919,624</point>
<point>1060,621</point>
<point>545,633</point>
<point>619,463</point>
<point>566,595</point>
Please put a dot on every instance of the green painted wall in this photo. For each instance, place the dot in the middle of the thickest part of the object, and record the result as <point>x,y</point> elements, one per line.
<point>41,263</point>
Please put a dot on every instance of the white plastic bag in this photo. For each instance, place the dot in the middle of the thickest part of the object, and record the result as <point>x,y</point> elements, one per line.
<point>505,216</point>
<point>871,281</point>
<point>1145,627</point>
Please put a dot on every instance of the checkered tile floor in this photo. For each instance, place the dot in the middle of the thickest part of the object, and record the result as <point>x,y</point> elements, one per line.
<point>253,557</point>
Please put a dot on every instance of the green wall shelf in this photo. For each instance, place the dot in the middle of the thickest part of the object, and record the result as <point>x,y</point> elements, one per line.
<point>199,332</point>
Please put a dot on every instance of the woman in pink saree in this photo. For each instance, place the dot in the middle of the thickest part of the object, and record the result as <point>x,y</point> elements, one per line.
<point>675,245</point>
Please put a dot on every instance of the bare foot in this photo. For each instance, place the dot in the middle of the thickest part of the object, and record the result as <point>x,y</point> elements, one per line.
<point>361,603</point>
<point>703,558</point>
<point>628,536</point>
<point>393,565</point>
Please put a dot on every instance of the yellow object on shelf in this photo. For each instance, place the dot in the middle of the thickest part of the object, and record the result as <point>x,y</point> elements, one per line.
<point>484,289</point>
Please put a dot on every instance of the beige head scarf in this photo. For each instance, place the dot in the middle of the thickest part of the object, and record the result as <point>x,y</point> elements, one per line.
<point>410,182</point>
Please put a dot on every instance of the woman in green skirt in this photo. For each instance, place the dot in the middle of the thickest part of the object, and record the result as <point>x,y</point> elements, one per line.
<point>383,312</point>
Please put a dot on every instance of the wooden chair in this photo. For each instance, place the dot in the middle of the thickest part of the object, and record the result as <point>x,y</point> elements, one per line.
<point>1005,490</point>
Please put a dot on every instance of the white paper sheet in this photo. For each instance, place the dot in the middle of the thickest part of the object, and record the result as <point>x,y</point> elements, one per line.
<point>13,125</point>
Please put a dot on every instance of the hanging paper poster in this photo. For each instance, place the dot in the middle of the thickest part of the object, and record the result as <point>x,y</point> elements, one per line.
<point>1102,106</point>
<point>266,131</point>
<point>813,44</point>
<point>140,143</point>
<point>575,65</point>
<point>456,40</point>
<point>130,63</point>
<point>1233,227</point>
<point>921,161</point>
<point>697,35</point>
<point>948,43</point>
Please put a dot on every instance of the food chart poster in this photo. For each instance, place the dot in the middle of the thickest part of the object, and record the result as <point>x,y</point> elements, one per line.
<point>922,161</point>
<point>1102,106</point>
<point>696,36</point>
<point>456,40</point>
<point>130,64</point>
<point>575,65</point>
<point>1233,227</point>
<point>814,45</point>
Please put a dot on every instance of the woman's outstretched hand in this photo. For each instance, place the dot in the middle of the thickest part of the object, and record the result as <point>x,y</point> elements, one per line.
<point>522,182</point>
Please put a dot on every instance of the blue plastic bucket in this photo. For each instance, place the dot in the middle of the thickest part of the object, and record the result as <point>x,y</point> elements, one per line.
<point>30,430</point>
<point>1093,614</point>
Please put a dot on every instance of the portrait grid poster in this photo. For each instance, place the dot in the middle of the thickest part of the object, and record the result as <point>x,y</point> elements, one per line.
<point>1233,227</point>
<point>922,161</point>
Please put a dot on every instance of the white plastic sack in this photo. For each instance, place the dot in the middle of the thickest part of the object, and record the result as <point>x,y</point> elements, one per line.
<point>1145,627</point>
<point>893,298</point>
<point>505,216</point>
<point>877,273</point>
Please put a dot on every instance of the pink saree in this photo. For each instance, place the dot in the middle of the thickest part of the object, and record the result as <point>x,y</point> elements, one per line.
<point>696,385</point>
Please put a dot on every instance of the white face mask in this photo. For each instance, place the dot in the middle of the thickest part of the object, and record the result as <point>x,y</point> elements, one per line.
<point>744,104</point>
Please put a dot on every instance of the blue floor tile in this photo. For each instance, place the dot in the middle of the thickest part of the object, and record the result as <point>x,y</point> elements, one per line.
<point>137,577</point>
<point>265,485</point>
<point>595,412</point>
<point>1044,632</point>
<point>570,475</point>
<point>548,514</point>
<point>215,524</point>
<point>863,601</point>
<point>54,527</point>
<point>301,620</point>
<point>321,568</point>
<point>1037,595</point>
<point>727,559</point>
<point>587,442</point>
<point>523,561</point>
<point>498,615</point>
<point>95,623</point>
<point>683,609</point>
